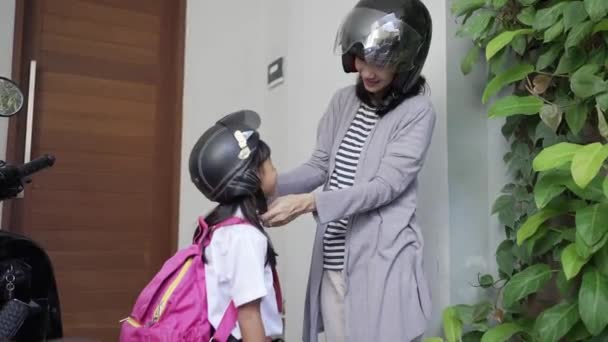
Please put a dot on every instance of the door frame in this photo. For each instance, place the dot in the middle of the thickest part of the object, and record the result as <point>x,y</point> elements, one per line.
<point>14,210</point>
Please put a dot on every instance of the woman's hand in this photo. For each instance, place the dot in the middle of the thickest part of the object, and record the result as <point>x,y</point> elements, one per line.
<point>287,208</point>
<point>250,322</point>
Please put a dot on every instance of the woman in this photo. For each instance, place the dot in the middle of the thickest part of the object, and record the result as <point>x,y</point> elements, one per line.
<point>366,280</point>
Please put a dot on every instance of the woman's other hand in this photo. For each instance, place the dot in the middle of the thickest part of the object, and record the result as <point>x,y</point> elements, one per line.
<point>287,208</point>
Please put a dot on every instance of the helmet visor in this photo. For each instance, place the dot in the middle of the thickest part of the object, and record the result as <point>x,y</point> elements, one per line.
<point>237,120</point>
<point>379,38</point>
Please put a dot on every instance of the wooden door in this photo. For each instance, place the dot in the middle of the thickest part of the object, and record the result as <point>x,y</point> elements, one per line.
<point>107,104</point>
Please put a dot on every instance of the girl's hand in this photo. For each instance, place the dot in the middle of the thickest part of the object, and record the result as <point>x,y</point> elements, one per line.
<point>287,208</point>
<point>250,322</point>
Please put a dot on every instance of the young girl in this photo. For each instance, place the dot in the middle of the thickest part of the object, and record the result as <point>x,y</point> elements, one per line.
<point>230,165</point>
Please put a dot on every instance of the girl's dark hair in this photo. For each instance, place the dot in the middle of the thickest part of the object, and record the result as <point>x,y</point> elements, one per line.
<point>251,206</point>
<point>393,97</point>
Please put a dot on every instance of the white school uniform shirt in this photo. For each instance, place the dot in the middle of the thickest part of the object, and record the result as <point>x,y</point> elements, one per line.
<point>236,270</point>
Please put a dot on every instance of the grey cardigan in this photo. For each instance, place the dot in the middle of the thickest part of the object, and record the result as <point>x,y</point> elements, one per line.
<point>387,297</point>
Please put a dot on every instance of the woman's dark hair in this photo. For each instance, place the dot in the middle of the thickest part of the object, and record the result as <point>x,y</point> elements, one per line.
<point>251,206</point>
<point>393,97</point>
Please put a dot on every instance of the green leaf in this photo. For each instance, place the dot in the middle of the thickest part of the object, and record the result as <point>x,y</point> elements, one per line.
<point>486,281</point>
<point>602,101</point>
<point>552,116</point>
<point>547,135</point>
<point>578,33</point>
<point>476,25</point>
<point>532,224</point>
<point>602,125</point>
<point>512,105</point>
<point>452,326</point>
<point>572,262</point>
<point>464,313</point>
<point>549,186</point>
<point>527,2</point>
<point>590,69</point>
<point>519,44</point>
<point>574,14</point>
<point>502,40</point>
<point>569,234</point>
<point>554,31</point>
<point>600,338</point>
<point>526,16</point>
<point>573,59</point>
<point>521,254</point>
<point>501,61</point>
<point>600,260</point>
<point>585,84</point>
<point>548,57</point>
<point>502,332</point>
<point>592,223</point>
<point>503,206</point>
<point>598,56</point>
<point>481,312</point>
<point>530,244</point>
<point>587,162</point>
<point>576,116</point>
<point>593,191</point>
<point>503,202</point>
<point>472,336</point>
<point>548,16</point>
<point>514,74</point>
<point>498,4</point>
<point>569,205</point>
<point>605,186</point>
<point>433,339</point>
<point>601,26</point>
<point>462,7</point>
<point>585,250</point>
<point>597,9</point>
<point>555,156</point>
<point>525,283</point>
<point>564,285</point>
<point>555,322</point>
<point>593,301</point>
<point>504,258</point>
<point>547,243</point>
<point>577,333</point>
<point>470,59</point>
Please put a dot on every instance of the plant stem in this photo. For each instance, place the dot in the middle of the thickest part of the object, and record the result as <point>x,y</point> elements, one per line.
<point>552,75</point>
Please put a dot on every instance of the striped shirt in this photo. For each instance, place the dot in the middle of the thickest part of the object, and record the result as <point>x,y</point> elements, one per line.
<point>343,176</point>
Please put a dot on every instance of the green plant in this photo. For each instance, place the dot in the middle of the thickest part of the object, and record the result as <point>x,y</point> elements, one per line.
<point>553,265</point>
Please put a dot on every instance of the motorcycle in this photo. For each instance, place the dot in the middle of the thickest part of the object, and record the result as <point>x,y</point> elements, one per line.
<point>29,300</point>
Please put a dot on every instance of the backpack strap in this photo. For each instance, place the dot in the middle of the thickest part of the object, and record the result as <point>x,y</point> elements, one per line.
<point>228,322</point>
<point>230,317</point>
<point>203,235</point>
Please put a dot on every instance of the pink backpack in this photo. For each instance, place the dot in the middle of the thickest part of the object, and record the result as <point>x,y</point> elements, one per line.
<point>173,306</point>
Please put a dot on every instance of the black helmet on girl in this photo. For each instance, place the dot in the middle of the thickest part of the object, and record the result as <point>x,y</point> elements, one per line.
<point>220,162</point>
<point>395,33</point>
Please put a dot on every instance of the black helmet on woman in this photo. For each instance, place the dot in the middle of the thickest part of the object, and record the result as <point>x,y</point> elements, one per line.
<point>395,33</point>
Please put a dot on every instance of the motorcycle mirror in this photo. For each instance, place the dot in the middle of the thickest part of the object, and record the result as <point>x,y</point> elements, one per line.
<point>11,97</point>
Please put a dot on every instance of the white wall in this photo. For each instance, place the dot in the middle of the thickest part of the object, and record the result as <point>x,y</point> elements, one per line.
<point>434,206</point>
<point>476,172</point>
<point>223,72</point>
<point>7,24</point>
